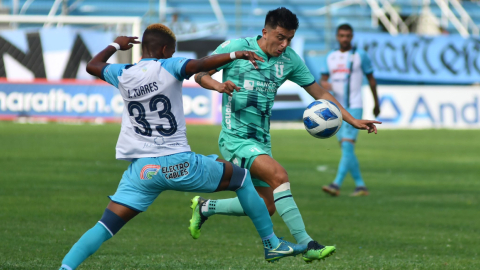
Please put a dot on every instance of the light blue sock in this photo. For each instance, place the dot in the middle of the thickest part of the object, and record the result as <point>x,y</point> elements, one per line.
<point>344,165</point>
<point>85,246</point>
<point>255,208</point>
<point>355,168</point>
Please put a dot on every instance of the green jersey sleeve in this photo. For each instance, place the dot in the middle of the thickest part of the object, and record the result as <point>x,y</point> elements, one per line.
<point>229,46</point>
<point>300,75</point>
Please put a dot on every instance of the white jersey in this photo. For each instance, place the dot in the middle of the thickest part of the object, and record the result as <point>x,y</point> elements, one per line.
<point>346,70</point>
<point>153,122</point>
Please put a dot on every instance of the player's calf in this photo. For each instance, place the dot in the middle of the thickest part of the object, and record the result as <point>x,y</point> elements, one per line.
<point>90,242</point>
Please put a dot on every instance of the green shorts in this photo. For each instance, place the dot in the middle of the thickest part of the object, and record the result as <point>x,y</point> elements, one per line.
<point>242,152</point>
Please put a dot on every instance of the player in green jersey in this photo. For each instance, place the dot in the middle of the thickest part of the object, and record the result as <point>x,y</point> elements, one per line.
<point>245,139</point>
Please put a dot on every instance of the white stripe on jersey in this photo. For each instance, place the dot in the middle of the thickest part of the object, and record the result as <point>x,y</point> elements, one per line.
<point>153,122</point>
<point>338,67</point>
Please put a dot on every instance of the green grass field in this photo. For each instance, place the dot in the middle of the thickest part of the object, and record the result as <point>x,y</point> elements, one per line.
<point>423,212</point>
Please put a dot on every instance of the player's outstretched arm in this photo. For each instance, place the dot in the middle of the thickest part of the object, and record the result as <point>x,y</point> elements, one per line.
<point>99,61</point>
<point>318,92</point>
<point>211,62</point>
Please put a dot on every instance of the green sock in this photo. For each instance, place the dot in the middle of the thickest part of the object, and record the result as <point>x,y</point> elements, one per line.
<point>229,207</point>
<point>288,210</point>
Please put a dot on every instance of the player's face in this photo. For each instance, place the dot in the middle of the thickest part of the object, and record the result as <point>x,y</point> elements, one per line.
<point>277,40</point>
<point>344,38</point>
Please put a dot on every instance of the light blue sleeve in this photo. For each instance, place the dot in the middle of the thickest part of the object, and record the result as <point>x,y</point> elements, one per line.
<point>324,67</point>
<point>110,73</point>
<point>366,63</point>
<point>176,66</point>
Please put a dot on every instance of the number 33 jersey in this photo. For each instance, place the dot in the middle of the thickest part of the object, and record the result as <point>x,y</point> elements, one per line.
<point>153,122</point>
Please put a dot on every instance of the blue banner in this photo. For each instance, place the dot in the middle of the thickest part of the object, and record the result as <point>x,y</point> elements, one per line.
<point>88,101</point>
<point>448,59</point>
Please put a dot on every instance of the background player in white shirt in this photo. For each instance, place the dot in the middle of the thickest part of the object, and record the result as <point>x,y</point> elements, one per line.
<point>153,138</point>
<point>345,68</point>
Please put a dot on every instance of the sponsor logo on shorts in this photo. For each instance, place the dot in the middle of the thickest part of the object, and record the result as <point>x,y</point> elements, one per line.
<point>148,171</point>
<point>176,171</point>
<point>253,149</point>
<point>235,161</point>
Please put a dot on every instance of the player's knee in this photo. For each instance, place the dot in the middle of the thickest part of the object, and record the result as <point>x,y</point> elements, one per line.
<point>240,178</point>
<point>347,142</point>
<point>348,145</point>
<point>280,177</point>
<point>111,221</point>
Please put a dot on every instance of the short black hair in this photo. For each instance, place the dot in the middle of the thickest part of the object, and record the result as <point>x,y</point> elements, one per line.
<point>157,35</point>
<point>281,17</point>
<point>345,26</point>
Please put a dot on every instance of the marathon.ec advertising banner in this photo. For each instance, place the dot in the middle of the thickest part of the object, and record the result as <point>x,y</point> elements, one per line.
<point>411,107</point>
<point>91,101</point>
<point>449,59</point>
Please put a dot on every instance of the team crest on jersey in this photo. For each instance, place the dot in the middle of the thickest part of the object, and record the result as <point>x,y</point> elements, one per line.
<point>279,70</point>
<point>148,171</point>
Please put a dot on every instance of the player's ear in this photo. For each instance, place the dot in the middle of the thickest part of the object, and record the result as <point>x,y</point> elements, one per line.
<point>164,51</point>
<point>264,32</point>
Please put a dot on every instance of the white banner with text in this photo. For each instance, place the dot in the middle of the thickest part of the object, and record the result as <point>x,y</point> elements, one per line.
<point>422,107</point>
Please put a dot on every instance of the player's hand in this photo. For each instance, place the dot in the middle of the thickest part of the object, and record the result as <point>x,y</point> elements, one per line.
<point>366,124</point>
<point>250,56</point>
<point>126,43</point>
<point>227,87</point>
<point>376,111</point>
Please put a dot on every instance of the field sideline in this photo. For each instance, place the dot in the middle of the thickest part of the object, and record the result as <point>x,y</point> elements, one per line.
<point>423,212</point>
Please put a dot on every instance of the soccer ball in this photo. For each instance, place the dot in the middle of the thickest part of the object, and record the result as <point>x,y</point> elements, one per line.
<point>322,119</point>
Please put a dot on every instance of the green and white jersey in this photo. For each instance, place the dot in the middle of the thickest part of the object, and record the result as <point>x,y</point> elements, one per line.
<point>247,114</point>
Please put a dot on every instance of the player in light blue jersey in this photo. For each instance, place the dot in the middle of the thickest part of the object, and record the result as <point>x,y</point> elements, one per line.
<point>345,68</point>
<point>153,138</point>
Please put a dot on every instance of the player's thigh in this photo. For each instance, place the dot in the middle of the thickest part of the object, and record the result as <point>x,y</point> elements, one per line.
<point>347,131</point>
<point>198,173</point>
<point>242,153</point>
<point>266,193</point>
<point>267,169</point>
<point>137,189</point>
<point>227,175</point>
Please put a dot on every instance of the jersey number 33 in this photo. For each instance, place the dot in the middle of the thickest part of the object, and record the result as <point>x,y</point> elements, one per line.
<point>165,113</point>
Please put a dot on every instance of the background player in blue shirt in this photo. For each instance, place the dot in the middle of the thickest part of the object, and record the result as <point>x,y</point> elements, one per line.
<point>346,68</point>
